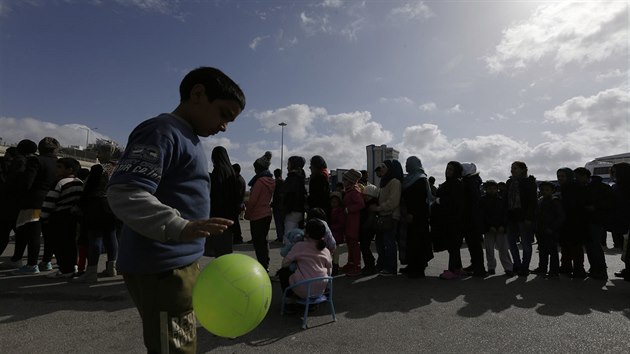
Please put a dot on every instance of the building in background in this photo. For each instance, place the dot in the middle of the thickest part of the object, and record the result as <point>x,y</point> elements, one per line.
<point>375,156</point>
<point>601,165</point>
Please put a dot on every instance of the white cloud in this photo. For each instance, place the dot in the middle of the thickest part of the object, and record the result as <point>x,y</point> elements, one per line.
<point>256,42</point>
<point>15,129</point>
<point>570,31</point>
<point>455,109</point>
<point>412,11</point>
<point>608,110</point>
<point>428,107</point>
<point>345,23</point>
<point>299,119</point>
<point>613,74</point>
<point>402,99</point>
<point>332,3</point>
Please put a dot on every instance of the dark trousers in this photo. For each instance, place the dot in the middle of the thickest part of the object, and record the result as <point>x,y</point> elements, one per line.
<point>237,233</point>
<point>454,255</point>
<point>548,253</point>
<point>594,250</point>
<point>278,219</point>
<point>365,241</point>
<point>96,239</point>
<point>419,250</point>
<point>164,301</point>
<point>219,245</point>
<point>48,242</point>
<point>474,242</point>
<point>572,259</point>
<point>63,231</point>
<point>259,229</point>
<point>28,235</point>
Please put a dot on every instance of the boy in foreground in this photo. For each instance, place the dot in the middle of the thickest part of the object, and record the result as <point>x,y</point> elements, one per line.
<point>160,190</point>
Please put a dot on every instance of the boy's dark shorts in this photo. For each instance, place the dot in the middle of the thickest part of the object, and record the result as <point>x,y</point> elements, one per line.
<point>164,301</point>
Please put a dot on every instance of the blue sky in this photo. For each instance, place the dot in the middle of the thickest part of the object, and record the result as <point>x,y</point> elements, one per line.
<point>489,82</point>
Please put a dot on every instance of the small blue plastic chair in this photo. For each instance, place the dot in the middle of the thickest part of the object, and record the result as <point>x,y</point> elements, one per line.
<point>312,300</point>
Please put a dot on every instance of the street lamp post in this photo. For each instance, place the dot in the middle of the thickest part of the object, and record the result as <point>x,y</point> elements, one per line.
<point>87,139</point>
<point>282,125</point>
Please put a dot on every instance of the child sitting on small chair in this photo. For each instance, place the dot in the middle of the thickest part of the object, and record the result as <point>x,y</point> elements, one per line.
<point>312,258</point>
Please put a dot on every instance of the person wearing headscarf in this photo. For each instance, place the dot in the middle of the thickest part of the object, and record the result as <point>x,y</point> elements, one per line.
<point>473,225</point>
<point>258,208</point>
<point>416,197</point>
<point>388,210</point>
<point>224,201</point>
<point>318,185</point>
<point>447,217</point>
<point>294,193</point>
<point>353,204</point>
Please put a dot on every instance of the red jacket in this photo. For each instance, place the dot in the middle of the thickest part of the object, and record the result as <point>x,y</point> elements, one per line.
<point>353,202</point>
<point>259,204</point>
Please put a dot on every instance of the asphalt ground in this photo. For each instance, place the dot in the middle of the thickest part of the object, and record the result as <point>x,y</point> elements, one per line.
<point>375,314</point>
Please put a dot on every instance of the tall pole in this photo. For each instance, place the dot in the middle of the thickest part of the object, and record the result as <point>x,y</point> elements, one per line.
<point>282,125</point>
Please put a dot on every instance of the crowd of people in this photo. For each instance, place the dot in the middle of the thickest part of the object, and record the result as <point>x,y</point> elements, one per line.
<point>43,195</point>
<point>158,210</point>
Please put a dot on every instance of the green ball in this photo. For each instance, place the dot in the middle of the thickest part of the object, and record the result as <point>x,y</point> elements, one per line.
<point>232,295</point>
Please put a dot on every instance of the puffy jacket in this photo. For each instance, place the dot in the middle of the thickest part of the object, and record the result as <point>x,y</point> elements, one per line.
<point>259,204</point>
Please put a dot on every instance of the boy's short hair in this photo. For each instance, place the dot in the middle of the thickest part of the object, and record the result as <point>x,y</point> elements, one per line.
<point>237,168</point>
<point>582,171</point>
<point>48,145</point>
<point>520,164</point>
<point>70,163</point>
<point>218,86</point>
<point>277,173</point>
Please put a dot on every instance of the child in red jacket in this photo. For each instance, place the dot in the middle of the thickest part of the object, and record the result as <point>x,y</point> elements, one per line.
<point>353,203</point>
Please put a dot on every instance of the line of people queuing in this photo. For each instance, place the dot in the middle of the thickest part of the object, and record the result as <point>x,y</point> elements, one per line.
<point>406,216</point>
<point>43,195</point>
<point>409,219</point>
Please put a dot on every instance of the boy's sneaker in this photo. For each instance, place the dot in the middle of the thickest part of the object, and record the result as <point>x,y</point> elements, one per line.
<point>59,275</point>
<point>552,275</point>
<point>387,273</point>
<point>27,270</point>
<point>449,275</point>
<point>11,265</point>
<point>45,266</point>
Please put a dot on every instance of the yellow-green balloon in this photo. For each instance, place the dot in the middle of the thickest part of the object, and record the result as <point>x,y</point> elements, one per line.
<point>232,295</point>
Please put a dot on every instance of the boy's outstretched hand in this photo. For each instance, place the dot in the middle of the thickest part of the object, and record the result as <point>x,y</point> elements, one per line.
<point>204,228</point>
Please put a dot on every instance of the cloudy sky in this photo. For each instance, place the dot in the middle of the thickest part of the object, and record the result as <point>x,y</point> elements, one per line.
<point>490,82</point>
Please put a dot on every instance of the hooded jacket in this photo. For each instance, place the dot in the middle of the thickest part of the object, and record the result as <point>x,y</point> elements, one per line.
<point>259,204</point>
